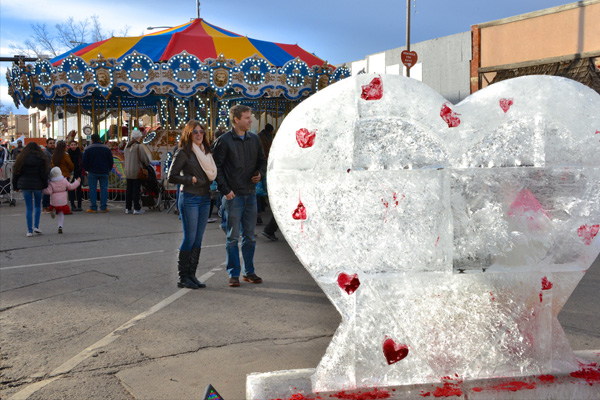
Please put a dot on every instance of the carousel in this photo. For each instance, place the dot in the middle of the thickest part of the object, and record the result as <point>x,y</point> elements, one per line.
<point>193,71</point>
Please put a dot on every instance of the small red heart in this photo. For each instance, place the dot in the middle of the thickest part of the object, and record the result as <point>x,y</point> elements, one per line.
<point>305,138</point>
<point>373,91</point>
<point>299,212</point>
<point>393,351</point>
<point>348,283</point>
<point>546,284</point>
<point>449,116</point>
<point>505,104</point>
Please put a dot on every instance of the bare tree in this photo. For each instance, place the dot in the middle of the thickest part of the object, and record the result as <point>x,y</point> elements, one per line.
<point>69,34</point>
<point>5,109</point>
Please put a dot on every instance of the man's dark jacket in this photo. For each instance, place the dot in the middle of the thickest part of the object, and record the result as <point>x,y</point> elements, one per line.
<point>98,159</point>
<point>237,160</point>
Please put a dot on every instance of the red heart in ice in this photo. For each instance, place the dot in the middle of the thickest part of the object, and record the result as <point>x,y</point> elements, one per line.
<point>305,138</point>
<point>393,351</point>
<point>505,104</point>
<point>300,212</point>
<point>372,91</point>
<point>449,116</point>
<point>588,233</point>
<point>348,283</point>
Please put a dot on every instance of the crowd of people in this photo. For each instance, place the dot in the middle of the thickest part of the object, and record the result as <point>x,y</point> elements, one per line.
<point>235,164</point>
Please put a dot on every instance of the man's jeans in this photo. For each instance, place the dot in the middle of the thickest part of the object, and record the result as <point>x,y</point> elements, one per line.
<point>93,180</point>
<point>193,210</point>
<point>241,210</point>
<point>33,200</point>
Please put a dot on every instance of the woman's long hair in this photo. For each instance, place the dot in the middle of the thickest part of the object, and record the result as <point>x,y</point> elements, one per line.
<point>59,153</point>
<point>185,141</point>
<point>31,148</point>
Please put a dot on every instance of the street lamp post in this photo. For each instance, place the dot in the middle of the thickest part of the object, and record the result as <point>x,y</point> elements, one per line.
<point>407,33</point>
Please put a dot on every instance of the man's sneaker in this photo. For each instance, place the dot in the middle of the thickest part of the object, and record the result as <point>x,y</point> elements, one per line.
<point>270,236</point>
<point>37,230</point>
<point>136,212</point>
<point>46,210</point>
<point>53,213</point>
<point>60,229</point>
<point>105,210</point>
<point>29,234</point>
<point>128,211</point>
<point>89,210</point>
<point>234,282</point>
<point>252,278</point>
<point>211,220</point>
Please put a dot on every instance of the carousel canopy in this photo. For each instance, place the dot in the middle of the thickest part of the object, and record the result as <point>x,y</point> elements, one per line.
<point>199,38</point>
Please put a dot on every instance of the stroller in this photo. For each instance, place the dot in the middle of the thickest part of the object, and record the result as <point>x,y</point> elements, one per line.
<point>152,191</point>
<point>6,194</point>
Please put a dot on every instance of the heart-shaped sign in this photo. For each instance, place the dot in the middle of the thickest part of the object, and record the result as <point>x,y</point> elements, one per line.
<point>451,215</point>
<point>409,58</point>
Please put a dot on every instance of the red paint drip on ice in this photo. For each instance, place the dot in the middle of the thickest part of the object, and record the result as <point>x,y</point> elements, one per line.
<point>505,104</point>
<point>370,395</point>
<point>305,138</point>
<point>393,351</point>
<point>437,241</point>
<point>373,91</point>
<point>588,233</point>
<point>450,387</point>
<point>449,116</point>
<point>547,378</point>
<point>492,294</point>
<point>590,372</point>
<point>348,283</point>
<point>511,386</point>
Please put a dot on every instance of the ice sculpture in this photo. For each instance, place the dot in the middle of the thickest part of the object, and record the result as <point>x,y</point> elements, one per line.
<point>448,237</point>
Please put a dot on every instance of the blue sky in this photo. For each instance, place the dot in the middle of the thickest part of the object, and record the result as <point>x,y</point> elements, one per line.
<point>338,31</point>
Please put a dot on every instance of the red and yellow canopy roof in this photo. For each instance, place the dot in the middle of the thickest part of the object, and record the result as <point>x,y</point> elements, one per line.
<point>197,37</point>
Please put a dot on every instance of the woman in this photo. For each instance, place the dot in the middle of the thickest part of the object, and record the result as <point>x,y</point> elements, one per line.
<point>30,175</point>
<point>135,158</point>
<point>75,155</point>
<point>61,159</point>
<point>194,169</point>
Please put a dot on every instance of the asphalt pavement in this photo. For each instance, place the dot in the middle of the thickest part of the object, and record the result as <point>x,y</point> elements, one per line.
<point>94,313</point>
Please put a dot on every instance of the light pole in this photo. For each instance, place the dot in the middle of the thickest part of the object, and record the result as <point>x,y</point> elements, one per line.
<point>407,33</point>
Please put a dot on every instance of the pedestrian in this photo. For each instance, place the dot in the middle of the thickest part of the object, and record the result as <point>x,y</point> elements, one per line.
<point>98,162</point>
<point>17,150</point>
<point>241,164</point>
<point>62,160</point>
<point>30,175</point>
<point>194,169</point>
<point>266,139</point>
<point>136,158</point>
<point>75,154</point>
<point>49,152</point>
<point>57,189</point>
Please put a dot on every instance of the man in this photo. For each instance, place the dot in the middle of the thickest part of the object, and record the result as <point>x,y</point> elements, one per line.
<point>15,152</point>
<point>48,151</point>
<point>241,163</point>
<point>98,162</point>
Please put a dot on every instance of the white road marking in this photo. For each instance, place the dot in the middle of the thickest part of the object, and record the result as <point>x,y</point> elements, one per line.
<point>81,259</point>
<point>105,341</point>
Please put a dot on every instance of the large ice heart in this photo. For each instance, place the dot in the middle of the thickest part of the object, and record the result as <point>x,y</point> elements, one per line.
<point>468,226</point>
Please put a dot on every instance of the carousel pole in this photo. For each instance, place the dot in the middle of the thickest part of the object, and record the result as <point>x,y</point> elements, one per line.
<point>120,111</point>
<point>65,116</point>
<point>105,118</point>
<point>277,112</point>
<point>94,126</point>
<point>78,119</point>
<point>53,108</point>
<point>137,116</point>
<point>260,114</point>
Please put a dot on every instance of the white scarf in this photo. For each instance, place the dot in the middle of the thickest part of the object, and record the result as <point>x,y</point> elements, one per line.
<point>206,162</point>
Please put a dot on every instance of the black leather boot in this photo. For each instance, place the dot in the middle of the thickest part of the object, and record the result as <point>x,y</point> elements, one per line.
<point>184,271</point>
<point>194,257</point>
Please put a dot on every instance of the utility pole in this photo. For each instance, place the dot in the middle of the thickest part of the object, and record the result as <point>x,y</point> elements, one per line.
<point>408,32</point>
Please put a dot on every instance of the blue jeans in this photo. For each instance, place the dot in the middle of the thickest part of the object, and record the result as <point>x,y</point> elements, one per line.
<point>93,180</point>
<point>33,200</point>
<point>193,210</point>
<point>241,210</point>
